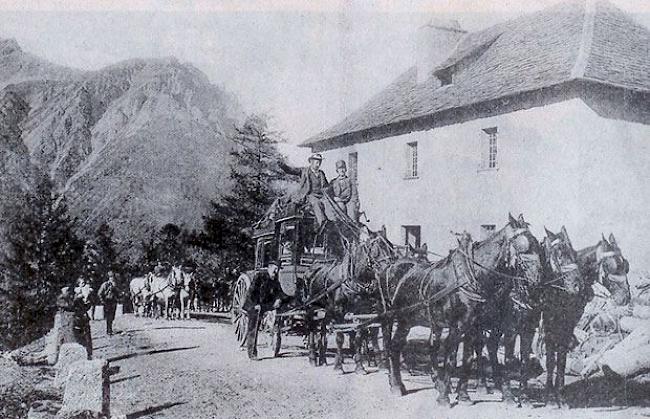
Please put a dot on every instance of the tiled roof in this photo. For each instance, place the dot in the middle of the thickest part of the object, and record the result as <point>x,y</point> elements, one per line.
<point>584,39</point>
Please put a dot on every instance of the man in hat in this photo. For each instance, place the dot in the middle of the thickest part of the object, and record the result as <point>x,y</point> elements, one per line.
<point>109,295</point>
<point>344,191</point>
<point>264,294</point>
<point>312,185</point>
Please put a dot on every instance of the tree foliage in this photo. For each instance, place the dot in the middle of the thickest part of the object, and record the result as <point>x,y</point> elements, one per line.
<point>257,181</point>
<point>100,256</point>
<point>44,255</point>
<point>169,246</point>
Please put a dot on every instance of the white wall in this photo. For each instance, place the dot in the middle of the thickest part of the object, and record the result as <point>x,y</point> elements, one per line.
<point>558,164</point>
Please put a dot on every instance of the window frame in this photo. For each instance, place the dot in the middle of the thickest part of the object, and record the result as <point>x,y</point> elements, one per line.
<point>414,230</point>
<point>411,156</point>
<point>489,148</point>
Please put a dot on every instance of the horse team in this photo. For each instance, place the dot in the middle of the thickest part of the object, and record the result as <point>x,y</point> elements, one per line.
<point>481,294</point>
<point>168,294</point>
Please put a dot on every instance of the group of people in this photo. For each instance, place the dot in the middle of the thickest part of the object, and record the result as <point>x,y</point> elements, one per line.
<point>81,299</point>
<point>313,188</point>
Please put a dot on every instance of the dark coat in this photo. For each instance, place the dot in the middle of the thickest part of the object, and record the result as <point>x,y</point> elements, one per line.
<point>263,291</point>
<point>305,187</point>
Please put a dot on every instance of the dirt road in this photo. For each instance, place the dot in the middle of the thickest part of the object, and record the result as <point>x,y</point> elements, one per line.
<point>194,369</point>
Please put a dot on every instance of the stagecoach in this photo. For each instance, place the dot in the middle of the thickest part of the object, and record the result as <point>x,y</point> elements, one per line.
<point>297,242</point>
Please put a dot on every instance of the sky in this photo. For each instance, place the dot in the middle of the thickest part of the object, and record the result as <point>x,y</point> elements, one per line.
<point>307,64</point>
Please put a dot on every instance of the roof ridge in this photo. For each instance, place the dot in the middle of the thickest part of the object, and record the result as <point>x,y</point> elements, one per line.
<point>586,40</point>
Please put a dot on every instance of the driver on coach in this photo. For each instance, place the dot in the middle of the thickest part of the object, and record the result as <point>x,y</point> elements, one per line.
<point>264,294</point>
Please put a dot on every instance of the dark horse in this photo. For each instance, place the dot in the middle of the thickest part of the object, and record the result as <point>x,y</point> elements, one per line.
<point>342,287</point>
<point>452,293</point>
<point>565,300</point>
<point>521,312</point>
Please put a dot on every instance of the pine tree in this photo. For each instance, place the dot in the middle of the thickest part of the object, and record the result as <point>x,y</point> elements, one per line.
<point>170,244</point>
<point>257,182</point>
<point>44,256</point>
<point>100,257</point>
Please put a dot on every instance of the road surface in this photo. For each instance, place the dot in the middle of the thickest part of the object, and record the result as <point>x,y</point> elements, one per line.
<point>194,369</point>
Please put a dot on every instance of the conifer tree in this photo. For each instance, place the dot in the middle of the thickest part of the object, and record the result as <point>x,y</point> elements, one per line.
<point>44,256</point>
<point>257,181</point>
<point>100,256</point>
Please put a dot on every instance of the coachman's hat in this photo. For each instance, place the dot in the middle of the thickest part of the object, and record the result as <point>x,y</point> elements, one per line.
<point>341,165</point>
<point>315,156</point>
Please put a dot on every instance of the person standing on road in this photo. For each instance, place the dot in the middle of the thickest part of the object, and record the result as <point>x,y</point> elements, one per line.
<point>81,304</point>
<point>264,294</point>
<point>108,295</point>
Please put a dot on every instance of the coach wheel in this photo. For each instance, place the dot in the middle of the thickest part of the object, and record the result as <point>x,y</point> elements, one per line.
<point>238,315</point>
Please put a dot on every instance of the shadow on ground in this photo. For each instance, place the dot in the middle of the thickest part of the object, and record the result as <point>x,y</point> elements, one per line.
<point>157,351</point>
<point>607,391</point>
<point>119,380</point>
<point>152,410</point>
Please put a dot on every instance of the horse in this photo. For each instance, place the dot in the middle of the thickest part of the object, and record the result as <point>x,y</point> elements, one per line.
<point>185,288</point>
<point>139,289</point>
<point>520,316</point>
<point>221,295</point>
<point>451,293</point>
<point>346,286</point>
<point>564,303</point>
<point>163,292</point>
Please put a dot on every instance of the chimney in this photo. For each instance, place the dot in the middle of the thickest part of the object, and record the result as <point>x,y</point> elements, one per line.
<point>435,42</point>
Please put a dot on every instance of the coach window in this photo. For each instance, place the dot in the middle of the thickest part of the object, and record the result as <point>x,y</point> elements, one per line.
<point>287,242</point>
<point>265,252</point>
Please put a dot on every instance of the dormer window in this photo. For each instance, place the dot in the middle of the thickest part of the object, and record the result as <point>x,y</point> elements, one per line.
<point>445,77</point>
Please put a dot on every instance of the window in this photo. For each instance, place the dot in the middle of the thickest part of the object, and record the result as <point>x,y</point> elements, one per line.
<point>489,146</point>
<point>265,252</point>
<point>487,230</point>
<point>411,160</point>
<point>352,166</point>
<point>445,77</point>
<point>411,235</point>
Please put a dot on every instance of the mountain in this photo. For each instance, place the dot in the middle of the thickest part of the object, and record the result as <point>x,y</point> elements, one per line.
<point>137,144</point>
<point>18,176</point>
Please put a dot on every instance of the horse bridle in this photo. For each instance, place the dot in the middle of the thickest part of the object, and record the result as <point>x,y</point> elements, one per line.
<point>567,271</point>
<point>603,271</point>
<point>376,263</point>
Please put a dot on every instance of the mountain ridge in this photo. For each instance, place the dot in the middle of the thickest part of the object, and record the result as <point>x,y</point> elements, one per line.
<point>136,144</point>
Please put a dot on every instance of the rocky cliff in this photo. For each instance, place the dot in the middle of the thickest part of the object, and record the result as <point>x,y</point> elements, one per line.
<point>137,144</point>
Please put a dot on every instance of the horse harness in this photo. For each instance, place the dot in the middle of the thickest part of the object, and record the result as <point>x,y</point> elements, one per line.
<point>468,278</point>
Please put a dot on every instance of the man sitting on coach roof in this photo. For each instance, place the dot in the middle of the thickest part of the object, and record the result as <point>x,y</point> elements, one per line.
<point>344,191</point>
<point>312,185</point>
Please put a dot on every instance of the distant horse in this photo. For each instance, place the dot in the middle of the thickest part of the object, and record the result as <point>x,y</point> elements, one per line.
<point>451,293</point>
<point>184,285</point>
<point>164,289</point>
<point>564,303</point>
<point>140,289</point>
<point>222,293</point>
<point>346,286</point>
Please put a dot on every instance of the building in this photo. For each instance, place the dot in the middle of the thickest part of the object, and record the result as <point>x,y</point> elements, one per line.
<point>547,115</point>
